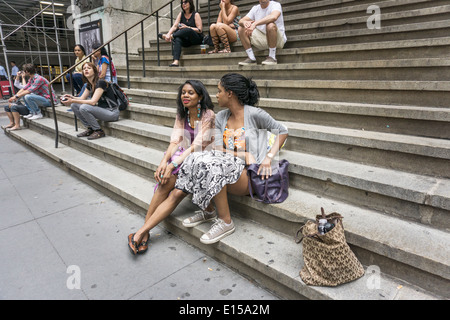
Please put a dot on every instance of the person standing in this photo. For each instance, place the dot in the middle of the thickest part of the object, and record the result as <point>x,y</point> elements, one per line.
<point>262,28</point>
<point>3,74</point>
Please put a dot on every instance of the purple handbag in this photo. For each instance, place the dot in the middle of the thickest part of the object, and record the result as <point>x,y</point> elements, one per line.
<point>272,190</point>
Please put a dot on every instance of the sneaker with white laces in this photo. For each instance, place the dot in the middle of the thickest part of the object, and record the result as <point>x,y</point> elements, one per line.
<point>247,62</point>
<point>36,116</point>
<point>28,116</point>
<point>218,231</point>
<point>269,61</point>
<point>199,217</point>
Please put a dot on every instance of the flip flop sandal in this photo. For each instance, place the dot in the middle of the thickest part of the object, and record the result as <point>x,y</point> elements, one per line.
<point>132,244</point>
<point>143,246</point>
<point>7,127</point>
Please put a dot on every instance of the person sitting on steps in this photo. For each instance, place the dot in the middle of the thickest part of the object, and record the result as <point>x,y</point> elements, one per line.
<point>93,103</point>
<point>185,32</point>
<point>263,28</point>
<point>225,30</point>
<point>192,133</point>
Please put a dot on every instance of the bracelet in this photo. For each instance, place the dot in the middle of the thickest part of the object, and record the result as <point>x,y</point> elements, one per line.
<point>174,164</point>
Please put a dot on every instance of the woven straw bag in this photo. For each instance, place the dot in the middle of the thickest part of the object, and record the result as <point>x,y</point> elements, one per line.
<point>328,260</point>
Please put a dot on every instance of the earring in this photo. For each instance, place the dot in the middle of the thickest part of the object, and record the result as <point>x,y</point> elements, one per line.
<point>198,109</point>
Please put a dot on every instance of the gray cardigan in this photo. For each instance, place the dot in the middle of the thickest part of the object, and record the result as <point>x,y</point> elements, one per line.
<point>256,123</point>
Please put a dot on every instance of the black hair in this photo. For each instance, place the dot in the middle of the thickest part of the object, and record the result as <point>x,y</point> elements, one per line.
<point>81,47</point>
<point>191,5</point>
<point>245,89</point>
<point>103,51</point>
<point>200,89</point>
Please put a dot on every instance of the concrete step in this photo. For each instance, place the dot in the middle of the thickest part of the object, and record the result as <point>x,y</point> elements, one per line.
<point>267,255</point>
<point>383,50</point>
<point>409,120</point>
<point>412,154</point>
<point>428,22</point>
<point>426,198</point>
<point>426,69</point>
<point>415,93</point>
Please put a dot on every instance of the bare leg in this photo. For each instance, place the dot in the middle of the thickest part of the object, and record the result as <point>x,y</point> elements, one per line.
<point>272,35</point>
<point>215,38</point>
<point>161,212</point>
<point>11,120</point>
<point>221,199</point>
<point>245,40</point>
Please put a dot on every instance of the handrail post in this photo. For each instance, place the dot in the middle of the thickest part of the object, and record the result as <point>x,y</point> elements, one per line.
<point>157,38</point>
<point>143,49</point>
<point>128,62</point>
<point>50,90</point>
<point>73,94</point>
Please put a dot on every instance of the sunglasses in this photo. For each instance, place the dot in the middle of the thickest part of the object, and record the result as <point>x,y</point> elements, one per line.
<point>184,2</point>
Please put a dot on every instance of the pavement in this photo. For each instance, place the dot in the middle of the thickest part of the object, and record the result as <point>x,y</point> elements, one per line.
<point>61,239</point>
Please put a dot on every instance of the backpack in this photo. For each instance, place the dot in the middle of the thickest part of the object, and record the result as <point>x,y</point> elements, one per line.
<point>122,102</point>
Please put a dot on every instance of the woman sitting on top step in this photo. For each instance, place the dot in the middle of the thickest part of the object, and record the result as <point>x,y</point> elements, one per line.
<point>185,32</point>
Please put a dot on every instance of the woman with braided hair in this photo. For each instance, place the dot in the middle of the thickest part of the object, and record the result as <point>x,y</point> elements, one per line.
<point>225,30</point>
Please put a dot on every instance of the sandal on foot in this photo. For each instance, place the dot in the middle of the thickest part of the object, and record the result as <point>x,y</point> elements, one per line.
<point>143,246</point>
<point>7,127</point>
<point>132,245</point>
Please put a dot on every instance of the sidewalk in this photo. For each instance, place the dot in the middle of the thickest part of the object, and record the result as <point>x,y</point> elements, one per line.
<point>58,234</point>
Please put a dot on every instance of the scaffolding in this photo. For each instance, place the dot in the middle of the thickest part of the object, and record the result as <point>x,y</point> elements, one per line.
<point>31,29</point>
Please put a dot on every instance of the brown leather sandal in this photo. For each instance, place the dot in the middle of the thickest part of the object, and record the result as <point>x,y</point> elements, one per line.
<point>143,246</point>
<point>132,245</point>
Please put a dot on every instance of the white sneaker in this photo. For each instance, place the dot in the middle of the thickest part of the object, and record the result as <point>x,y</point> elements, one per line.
<point>28,116</point>
<point>199,217</point>
<point>36,116</point>
<point>219,230</point>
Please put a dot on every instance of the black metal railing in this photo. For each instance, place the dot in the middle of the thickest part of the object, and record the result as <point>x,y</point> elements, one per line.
<point>155,14</point>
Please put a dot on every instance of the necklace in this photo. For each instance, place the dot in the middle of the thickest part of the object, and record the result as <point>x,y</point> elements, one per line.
<point>189,117</point>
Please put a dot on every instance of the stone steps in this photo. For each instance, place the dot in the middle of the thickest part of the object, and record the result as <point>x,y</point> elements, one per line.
<point>406,153</point>
<point>383,50</point>
<point>369,129</point>
<point>410,120</point>
<point>277,269</point>
<point>394,70</point>
<point>414,93</point>
<point>318,171</point>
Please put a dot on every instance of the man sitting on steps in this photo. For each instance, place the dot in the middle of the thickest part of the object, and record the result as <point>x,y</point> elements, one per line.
<point>35,93</point>
<point>262,27</point>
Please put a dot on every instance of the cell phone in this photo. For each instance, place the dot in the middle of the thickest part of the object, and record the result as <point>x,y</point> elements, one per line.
<point>63,99</point>
<point>180,25</point>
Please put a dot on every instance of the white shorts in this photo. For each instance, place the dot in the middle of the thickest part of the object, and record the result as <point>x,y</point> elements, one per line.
<point>258,40</point>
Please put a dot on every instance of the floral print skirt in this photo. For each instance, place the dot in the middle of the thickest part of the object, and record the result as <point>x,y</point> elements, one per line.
<point>204,174</point>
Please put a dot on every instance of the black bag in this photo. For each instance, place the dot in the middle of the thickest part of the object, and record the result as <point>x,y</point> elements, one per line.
<point>121,100</point>
<point>208,40</point>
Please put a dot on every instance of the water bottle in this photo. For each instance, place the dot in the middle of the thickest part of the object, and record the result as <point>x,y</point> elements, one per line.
<point>325,226</point>
<point>322,223</point>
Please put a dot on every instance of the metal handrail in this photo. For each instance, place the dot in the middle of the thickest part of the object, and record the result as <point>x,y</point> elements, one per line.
<point>141,22</point>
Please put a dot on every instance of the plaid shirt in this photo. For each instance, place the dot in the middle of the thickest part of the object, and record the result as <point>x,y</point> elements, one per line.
<point>39,86</point>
